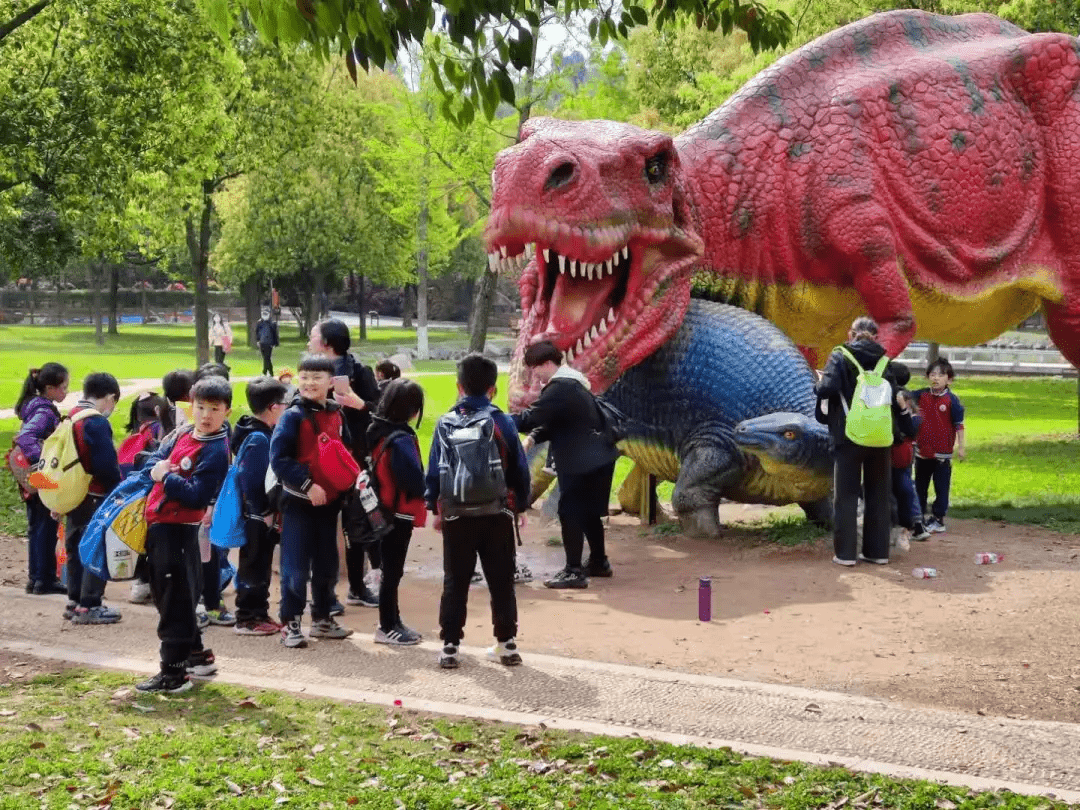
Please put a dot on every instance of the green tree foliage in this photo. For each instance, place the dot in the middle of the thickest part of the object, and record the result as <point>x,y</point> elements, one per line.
<point>490,40</point>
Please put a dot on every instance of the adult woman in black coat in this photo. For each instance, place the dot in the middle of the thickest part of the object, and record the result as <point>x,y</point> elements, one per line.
<point>566,414</point>
<point>858,470</point>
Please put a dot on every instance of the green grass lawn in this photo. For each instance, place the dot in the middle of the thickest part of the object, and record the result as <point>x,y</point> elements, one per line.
<point>84,739</point>
<point>151,351</point>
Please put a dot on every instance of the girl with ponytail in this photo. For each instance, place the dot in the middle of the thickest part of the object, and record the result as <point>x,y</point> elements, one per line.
<point>36,407</point>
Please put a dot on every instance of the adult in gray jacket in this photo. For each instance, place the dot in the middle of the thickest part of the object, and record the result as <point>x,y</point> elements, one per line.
<point>566,414</point>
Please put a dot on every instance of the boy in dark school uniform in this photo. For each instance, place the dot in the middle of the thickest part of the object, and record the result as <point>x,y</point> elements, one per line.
<point>187,471</point>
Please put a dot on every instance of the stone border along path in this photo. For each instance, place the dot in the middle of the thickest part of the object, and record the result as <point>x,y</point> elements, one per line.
<point>864,734</point>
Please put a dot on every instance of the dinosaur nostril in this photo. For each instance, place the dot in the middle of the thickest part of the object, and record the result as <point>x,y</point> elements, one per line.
<point>560,176</point>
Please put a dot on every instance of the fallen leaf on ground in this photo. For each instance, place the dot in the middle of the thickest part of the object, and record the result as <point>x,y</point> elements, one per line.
<point>235,788</point>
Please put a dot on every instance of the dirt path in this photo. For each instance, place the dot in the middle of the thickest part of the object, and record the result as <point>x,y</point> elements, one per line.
<point>996,639</point>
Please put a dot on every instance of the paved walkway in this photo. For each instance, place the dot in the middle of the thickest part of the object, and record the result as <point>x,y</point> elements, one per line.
<point>761,719</point>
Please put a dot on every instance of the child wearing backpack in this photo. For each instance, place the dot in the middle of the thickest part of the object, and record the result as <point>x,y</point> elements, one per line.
<point>148,420</point>
<point>470,527</point>
<point>217,570</point>
<point>863,466</point>
<point>187,471</point>
<point>940,435</point>
<point>41,390</point>
<point>309,455</point>
<point>398,474</point>
<point>97,454</point>
<point>251,438</point>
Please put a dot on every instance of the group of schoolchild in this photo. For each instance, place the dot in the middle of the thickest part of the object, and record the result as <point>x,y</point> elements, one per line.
<point>183,442</point>
<point>927,430</point>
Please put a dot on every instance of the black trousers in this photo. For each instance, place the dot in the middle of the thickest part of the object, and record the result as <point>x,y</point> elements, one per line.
<point>267,350</point>
<point>938,470</point>
<point>865,471</point>
<point>395,546</point>
<point>219,355</point>
<point>83,587</point>
<point>357,554</point>
<point>254,571</point>
<point>175,567</point>
<point>583,503</point>
<point>491,538</point>
<point>211,580</point>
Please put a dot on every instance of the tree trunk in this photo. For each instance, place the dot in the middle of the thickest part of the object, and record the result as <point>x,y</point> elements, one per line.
<point>99,335</point>
<point>407,307</point>
<point>356,286</point>
<point>145,306</point>
<point>114,294</point>
<point>251,289</point>
<point>422,351</point>
<point>933,352</point>
<point>485,288</point>
<point>30,296</point>
<point>198,243</point>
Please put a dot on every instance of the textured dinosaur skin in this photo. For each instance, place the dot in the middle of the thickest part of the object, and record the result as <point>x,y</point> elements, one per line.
<point>702,412</point>
<point>918,168</point>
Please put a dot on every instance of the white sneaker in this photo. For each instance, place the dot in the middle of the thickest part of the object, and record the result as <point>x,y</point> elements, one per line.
<point>505,652</point>
<point>140,593</point>
<point>448,657</point>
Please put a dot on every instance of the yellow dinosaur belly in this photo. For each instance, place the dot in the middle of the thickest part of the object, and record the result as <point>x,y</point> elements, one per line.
<point>818,315</point>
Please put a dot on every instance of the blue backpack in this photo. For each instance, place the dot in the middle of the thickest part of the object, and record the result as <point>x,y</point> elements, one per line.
<point>227,524</point>
<point>116,534</point>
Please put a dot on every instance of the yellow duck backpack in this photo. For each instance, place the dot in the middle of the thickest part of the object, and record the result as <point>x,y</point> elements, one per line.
<point>61,480</point>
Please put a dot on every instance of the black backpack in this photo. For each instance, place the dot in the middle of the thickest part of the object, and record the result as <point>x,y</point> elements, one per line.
<point>471,476</point>
<point>612,421</point>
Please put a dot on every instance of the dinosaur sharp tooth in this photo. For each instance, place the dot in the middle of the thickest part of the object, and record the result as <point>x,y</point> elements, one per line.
<point>573,269</point>
<point>586,341</point>
<point>547,254</point>
<point>611,315</point>
<point>626,252</point>
<point>610,269</point>
<point>568,356</point>
<point>589,271</point>
<point>493,262</point>
<point>615,259</point>
<point>579,347</point>
<point>562,263</point>
<point>502,250</point>
<point>594,332</point>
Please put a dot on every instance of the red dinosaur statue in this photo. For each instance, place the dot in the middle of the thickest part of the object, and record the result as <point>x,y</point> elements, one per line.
<point>919,168</point>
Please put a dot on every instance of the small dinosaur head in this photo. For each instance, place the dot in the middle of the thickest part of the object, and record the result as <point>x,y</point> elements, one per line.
<point>594,215</point>
<point>783,442</point>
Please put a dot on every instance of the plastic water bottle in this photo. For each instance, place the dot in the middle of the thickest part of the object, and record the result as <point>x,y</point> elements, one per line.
<point>924,572</point>
<point>370,502</point>
<point>988,558</point>
<point>61,556</point>
<point>704,599</point>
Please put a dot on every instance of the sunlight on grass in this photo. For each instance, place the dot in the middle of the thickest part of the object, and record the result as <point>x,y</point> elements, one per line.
<point>86,739</point>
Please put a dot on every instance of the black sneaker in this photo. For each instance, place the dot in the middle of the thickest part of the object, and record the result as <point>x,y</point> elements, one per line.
<point>201,663</point>
<point>365,598</point>
<point>448,658</point>
<point>506,653</point>
<point>919,532</point>
<point>42,588</point>
<point>568,578</point>
<point>171,682</point>
<point>601,569</point>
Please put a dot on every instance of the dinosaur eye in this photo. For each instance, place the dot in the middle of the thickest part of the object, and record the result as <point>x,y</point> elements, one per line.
<point>656,168</point>
<point>789,434</point>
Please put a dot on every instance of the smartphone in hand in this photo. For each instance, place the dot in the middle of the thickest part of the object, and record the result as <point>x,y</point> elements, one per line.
<point>341,385</point>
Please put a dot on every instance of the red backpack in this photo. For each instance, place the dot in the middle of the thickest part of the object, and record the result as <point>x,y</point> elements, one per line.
<point>135,443</point>
<point>336,469</point>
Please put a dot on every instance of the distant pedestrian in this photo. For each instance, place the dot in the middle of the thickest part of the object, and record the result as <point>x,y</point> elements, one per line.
<point>221,337</point>
<point>266,336</point>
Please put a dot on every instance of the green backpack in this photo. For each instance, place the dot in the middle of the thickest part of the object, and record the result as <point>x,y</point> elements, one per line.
<point>869,419</point>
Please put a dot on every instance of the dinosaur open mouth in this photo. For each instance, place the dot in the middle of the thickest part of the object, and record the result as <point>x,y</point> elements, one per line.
<point>572,300</point>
